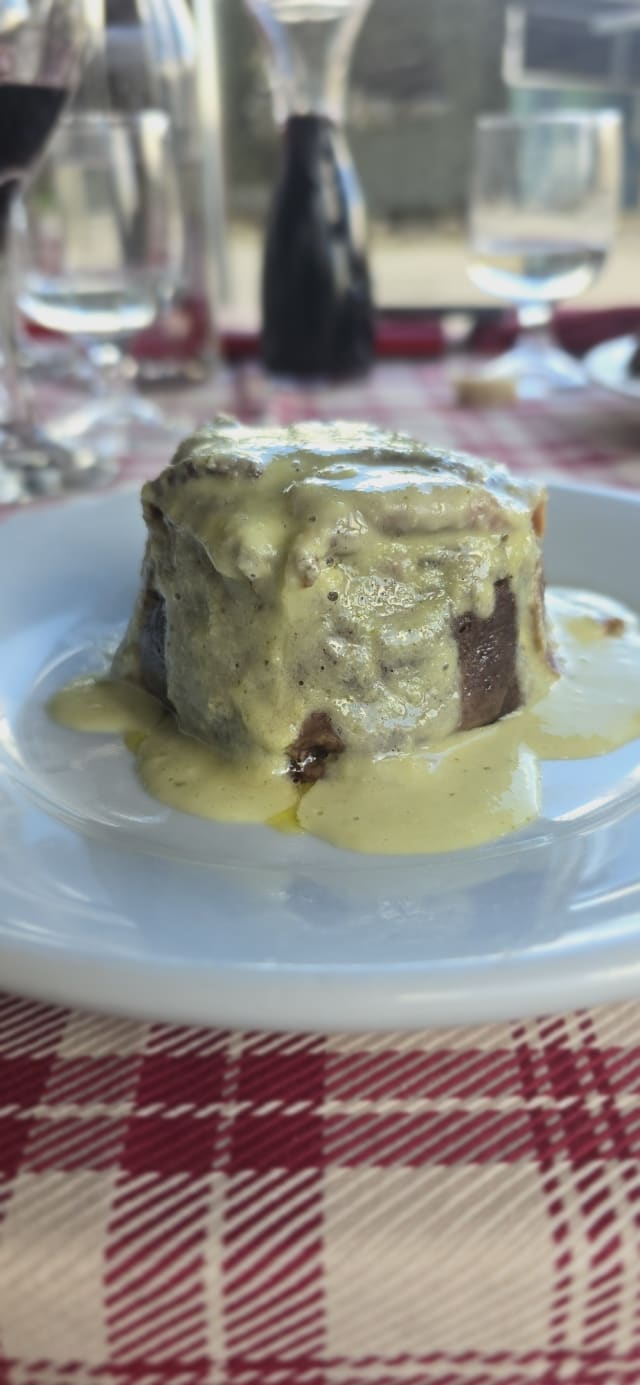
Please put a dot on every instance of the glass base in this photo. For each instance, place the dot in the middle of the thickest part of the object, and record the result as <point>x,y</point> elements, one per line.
<point>537,368</point>
<point>109,419</point>
<point>34,464</point>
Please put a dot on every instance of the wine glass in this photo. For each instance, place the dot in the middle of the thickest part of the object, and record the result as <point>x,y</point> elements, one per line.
<point>102,252</point>
<point>146,58</point>
<point>545,192</point>
<point>41,47</point>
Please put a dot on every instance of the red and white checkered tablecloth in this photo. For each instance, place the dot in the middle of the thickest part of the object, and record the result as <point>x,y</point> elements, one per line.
<point>586,436</point>
<point>186,1207</point>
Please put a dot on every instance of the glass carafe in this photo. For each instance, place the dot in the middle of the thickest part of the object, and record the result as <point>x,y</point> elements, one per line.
<point>316,295</point>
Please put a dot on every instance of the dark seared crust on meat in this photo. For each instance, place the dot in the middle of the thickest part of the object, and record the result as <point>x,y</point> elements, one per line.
<point>151,643</point>
<point>309,753</point>
<point>488,678</point>
<point>317,739</point>
<point>540,631</point>
<point>487,653</point>
<point>489,685</point>
<point>539,518</point>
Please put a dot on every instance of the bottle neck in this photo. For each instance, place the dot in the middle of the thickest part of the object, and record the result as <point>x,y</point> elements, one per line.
<point>308,56</point>
<point>304,136</point>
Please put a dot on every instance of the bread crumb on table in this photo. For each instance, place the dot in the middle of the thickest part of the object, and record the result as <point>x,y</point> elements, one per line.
<point>484,390</point>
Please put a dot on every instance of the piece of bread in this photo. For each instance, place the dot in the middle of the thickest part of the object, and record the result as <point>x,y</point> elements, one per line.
<point>331,587</point>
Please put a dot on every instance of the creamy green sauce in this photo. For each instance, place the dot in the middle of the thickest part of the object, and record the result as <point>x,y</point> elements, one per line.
<point>325,566</point>
<point>471,788</point>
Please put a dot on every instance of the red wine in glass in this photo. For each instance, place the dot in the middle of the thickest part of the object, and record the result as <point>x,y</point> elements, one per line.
<point>42,46</point>
<point>28,113</point>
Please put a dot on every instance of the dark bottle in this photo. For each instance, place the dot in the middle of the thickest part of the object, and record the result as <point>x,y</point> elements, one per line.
<point>317,310</point>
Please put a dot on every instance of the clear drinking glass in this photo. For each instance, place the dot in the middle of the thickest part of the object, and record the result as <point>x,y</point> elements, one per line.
<point>102,253</point>
<point>41,46</point>
<point>545,193</point>
<point>149,59</point>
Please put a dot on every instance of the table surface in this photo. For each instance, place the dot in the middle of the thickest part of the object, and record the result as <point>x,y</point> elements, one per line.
<point>184,1207</point>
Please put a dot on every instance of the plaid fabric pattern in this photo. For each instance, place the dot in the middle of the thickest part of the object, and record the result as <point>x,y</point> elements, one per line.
<point>185,1207</point>
<point>583,435</point>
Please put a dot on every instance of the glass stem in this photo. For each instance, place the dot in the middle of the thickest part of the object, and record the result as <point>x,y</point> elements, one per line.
<point>534,321</point>
<point>18,407</point>
<point>111,368</point>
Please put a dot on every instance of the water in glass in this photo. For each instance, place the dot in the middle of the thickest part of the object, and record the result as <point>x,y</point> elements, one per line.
<point>542,216</point>
<point>103,243</point>
<point>524,270</point>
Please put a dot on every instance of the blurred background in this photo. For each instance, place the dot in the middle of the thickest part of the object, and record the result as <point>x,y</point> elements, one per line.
<point>421,73</point>
<point>197,205</point>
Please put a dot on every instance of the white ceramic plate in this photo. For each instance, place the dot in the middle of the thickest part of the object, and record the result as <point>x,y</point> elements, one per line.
<point>109,900</point>
<point>608,366</point>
